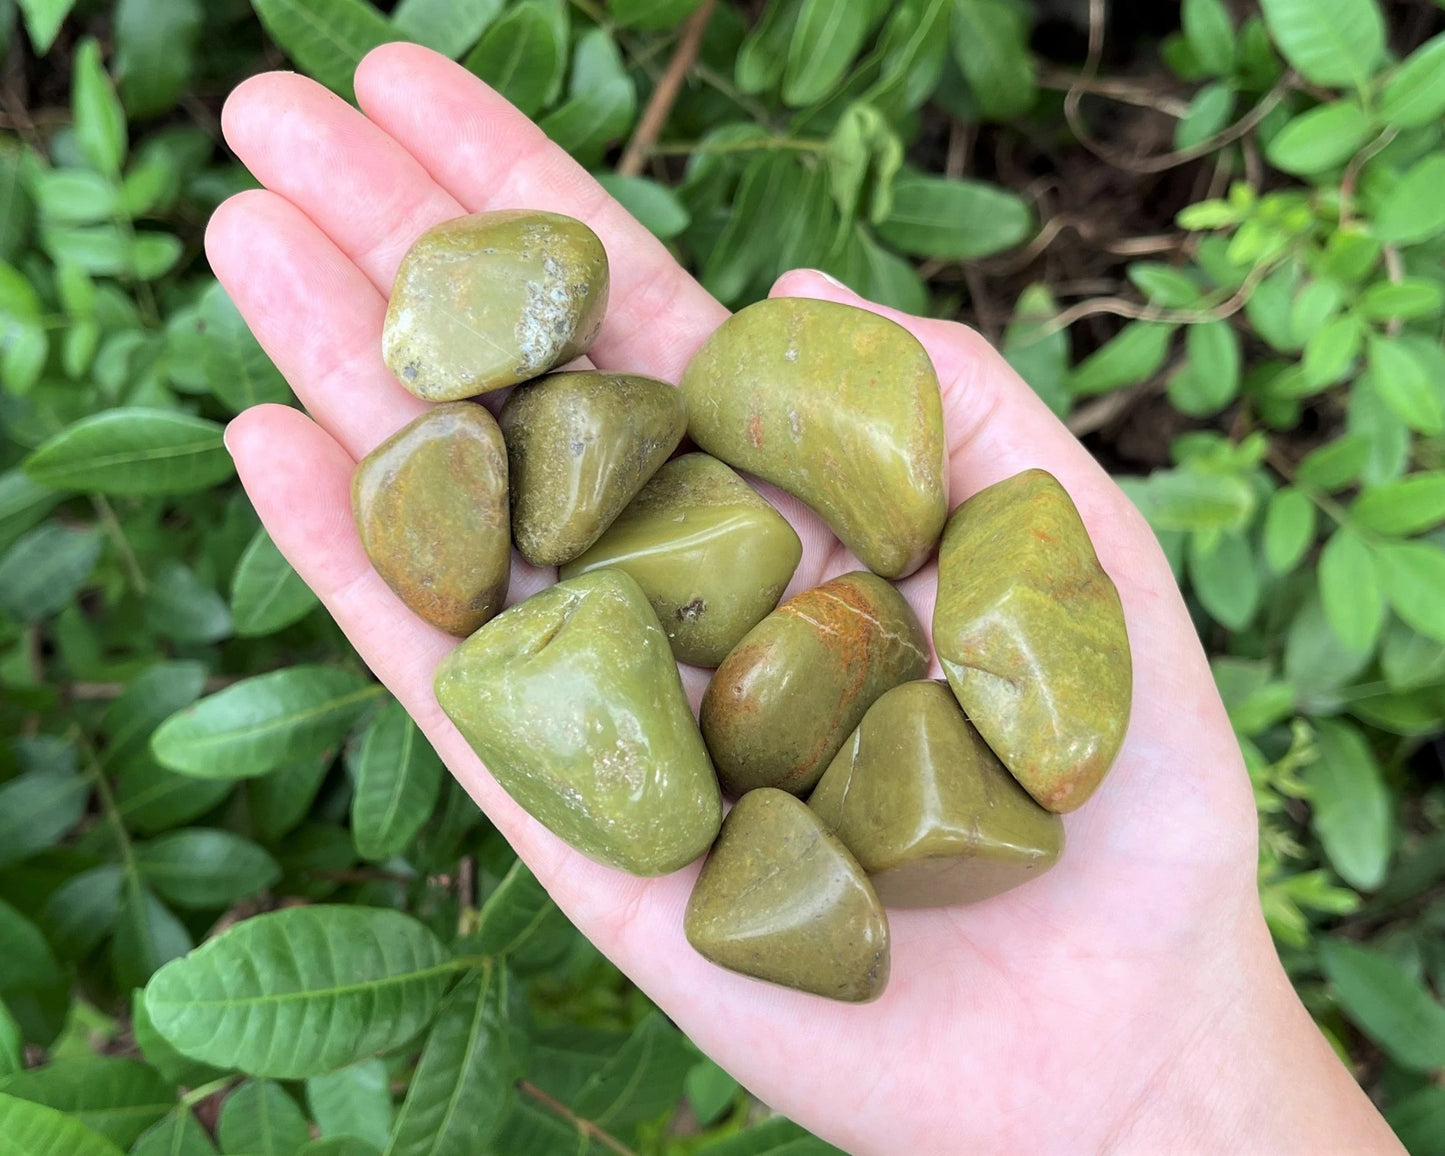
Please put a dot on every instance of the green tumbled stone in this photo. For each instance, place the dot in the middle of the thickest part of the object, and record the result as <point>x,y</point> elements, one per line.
<point>573,702</point>
<point>780,899</point>
<point>839,407</point>
<point>581,446</point>
<point>788,696</point>
<point>1031,635</point>
<point>494,299</point>
<point>430,505</point>
<point>928,810</point>
<point>711,555</point>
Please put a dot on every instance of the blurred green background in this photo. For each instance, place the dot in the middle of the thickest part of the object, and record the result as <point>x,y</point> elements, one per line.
<point>1209,237</point>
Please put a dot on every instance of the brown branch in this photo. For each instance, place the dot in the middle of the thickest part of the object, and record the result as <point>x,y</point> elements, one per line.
<point>664,96</point>
<point>586,1127</point>
<point>105,691</point>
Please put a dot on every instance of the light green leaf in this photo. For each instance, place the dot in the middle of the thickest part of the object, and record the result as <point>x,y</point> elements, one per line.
<point>520,922</point>
<point>465,1079</point>
<point>1040,357</point>
<point>1316,663</point>
<point>763,52</point>
<point>147,935</point>
<point>37,809</point>
<point>1350,590</point>
<point>115,1098</point>
<point>773,1137</point>
<point>1403,300</point>
<point>355,1101</point>
<point>1334,465</point>
<point>990,41</point>
<point>1210,379</point>
<point>1405,385</point>
<point>1333,42</point>
<point>339,1146</point>
<point>264,722</point>
<point>656,206</point>
<point>710,1091</point>
<point>1289,529</point>
<point>642,1080</point>
<point>27,960</point>
<point>327,38</point>
<point>448,26</point>
<point>181,607</point>
<point>177,1134</point>
<point>22,504</point>
<point>1135,354</point>
<point>1323,138</point>
<point>152,799</point>
<point>1188,500</point>
<point>1350,807</point>
<point>1207,115</point>
<point>43,19</point>
<point>1414,578</point>
<point>302,991</point>
<point>235,367</point>
<point>1415,93</point>
<point>651,15</point>
<point>1225,579</point>
<point>205,867</point>
<point>155,43</point>
<point>30,1129</point>
<point>1405,507</point>
<point>176,1068</point>
<point>44,570</point>
<point>100,129</point>
<point>827,37</point>
<point>1331,351</point>
<point>397,779</point>
<point>520,56</point>
<point>1389,1007</point>
<point>1164,285</point>
<point>75,196</point>
<point>1414,211</point>
<point>1209,29</point>
<point>147,701</point>
<point>586,124</point>
<point>267,595</point>
<point>260,1119</point>
<point>952,219</point>
<point>133,451</point>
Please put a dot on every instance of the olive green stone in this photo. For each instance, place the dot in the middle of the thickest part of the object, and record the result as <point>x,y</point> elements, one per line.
<point>1031,635</point>
<point>838,406</point>
<point>430,505</point>
<point>573,702</point>
<point>786,699</point>
<point>928,810</point>
<point>493,299</point>
<point>712,556</point>
<point>581,446</point>
<point>781,899</point>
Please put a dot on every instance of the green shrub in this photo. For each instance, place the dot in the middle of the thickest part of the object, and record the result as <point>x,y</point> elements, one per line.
<point>1287,330</point>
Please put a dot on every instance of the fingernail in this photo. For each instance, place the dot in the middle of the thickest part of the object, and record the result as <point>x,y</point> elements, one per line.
<point>226,439</point>
<point>828,277</point>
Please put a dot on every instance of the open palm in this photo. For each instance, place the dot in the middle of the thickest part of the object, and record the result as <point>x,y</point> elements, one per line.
<point>1053,1017</point>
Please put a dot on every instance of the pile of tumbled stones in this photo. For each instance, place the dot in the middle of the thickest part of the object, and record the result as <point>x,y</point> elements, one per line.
<point>918,793</point>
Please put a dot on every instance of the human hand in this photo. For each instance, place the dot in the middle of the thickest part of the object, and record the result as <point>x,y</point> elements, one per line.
<point>1129,999</point>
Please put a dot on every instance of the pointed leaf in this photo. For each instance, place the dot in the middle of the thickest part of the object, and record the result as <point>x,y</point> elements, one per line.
<point>1225,579</point>
<point>1415,93</point>
<point>1413,211</point>
<point>26,960</point>
<point>953,220</point>
<point>205,867</point>
<point>133,451</point>
<point>82,911</point>
<point>1350,807</point>
<point>991,46</point>
<point>178,1134</point>
<point>30,1129</point>
<point>519,921</point>
<point>44,570</point>
<point>37,809</point>
<point>267,595</point>
<point>100,130</point>
<point>1405,507</point>
<point>327,38</point>
<point>1389,1007</point>
<point>520,56</point>
<point>236,368</point>
<point>1135,354</point>
<point>397,779</point>
<point>355,1101</point>
<point>827,38</point>
<point>116,1098</point>
<point>642,1080</point>
<point>1414,577</point>
<point>147,701</point>
<point>1323,138</point>
<point>1289,529</point>
<point>1334,42</point>
<point>448,26</point>
<point>260,1119</point>
<point>1350,590</point>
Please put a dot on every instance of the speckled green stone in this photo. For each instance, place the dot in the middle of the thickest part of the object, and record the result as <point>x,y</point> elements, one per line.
<point>928,810</point>
<point>581,445</point>
<point>838,406</point>
<point>493,299</point>
<point>788,696</point>
<point>1031,635</point>
<point>780,899</point>
<point>430,505</point>
<point>573,702</point>
<point>711,555</point>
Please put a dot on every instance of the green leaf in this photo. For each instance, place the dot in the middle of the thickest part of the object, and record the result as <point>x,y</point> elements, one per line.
<point>1210,379</point>
<point>327,38</point>
<point>152,799</point>
<point>1405,507</point>
<point>827,37</point>
<point>16,209</point>
<point>264,722</point>
<point>236,368</point>
<point>1316,663</point>
<point>1389,1007</point>
<point>1419,1121</point>
<point>205,867</point>
<point>181,607</point>
<point>1350,806</point>
<point>710,1091</point>
<point>12,1043</point>
<point>75,196</point>
<point>302,991</point>
<point>773,1137</point>
<point>22,504</point>
<point>1414,578</point>
<point>45,569</point>
<point>763,52</point>
<point>1414,211</point>
<point>448,26</point>
<point>953,220</point>
<point>260,1119</point>
<point>1207,115</point>
<point>155,43</point>
<point>1188,500</point>
<point>267,595</point>
<point>1405,385</point>
<point>1403,300</point>
<point>1037,355</point>
<point>147,935</point>
<point>175,1067</point>
<point>1350,590</point>
<point>43,19</point>
<point>1415,93</point>
<point>37,809</point>
<point>1332,42</point>
<point>465,1080</point>
<point>651,15</point>
<point>82,911</point>
<point>1209,29</point>
<point>1225,579</point>
<point>520,56</point>
<point>100,130</point>
<point>355,1101</point>
<point>147,701</point>
<point>339,1146</point>
<point>281,799</point>
<point>1164,285</point>
<point>115,1098</point>
<point>30,1129</point>
<point>27,960</point>
<point>642,1080</point>
<point>990,41</point>
<point>397,780</point>
<point>1135,354</point>
<point>1334,465</point>
<point>178,1134</point>
<point>520,922</point>
<point>133,451</point>
<point>1289,529</point>
<point>1331,351</point>
<point>656,206</point>
<point>1323,138</point>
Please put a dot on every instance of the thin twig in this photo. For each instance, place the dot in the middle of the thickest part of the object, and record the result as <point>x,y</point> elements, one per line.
<point>1126,91</point>
<point>586,1127</point>
<point>664,96</point>
<point>1395,270</point>
<point>113,527</point>
<point>106,691</point>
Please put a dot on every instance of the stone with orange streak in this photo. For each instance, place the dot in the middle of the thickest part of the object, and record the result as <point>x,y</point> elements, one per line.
<point>785,700</point>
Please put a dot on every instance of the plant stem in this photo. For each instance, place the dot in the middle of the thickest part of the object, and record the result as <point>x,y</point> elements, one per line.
<point>664,95</point>
<point>196,1095</point>
<point>585,1127</point>
<point>697,148</point>
<point>103,508</point>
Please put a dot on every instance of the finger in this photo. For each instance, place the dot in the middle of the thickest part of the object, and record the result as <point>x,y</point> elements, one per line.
<point>487,155</point>
<point>361,188</point>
